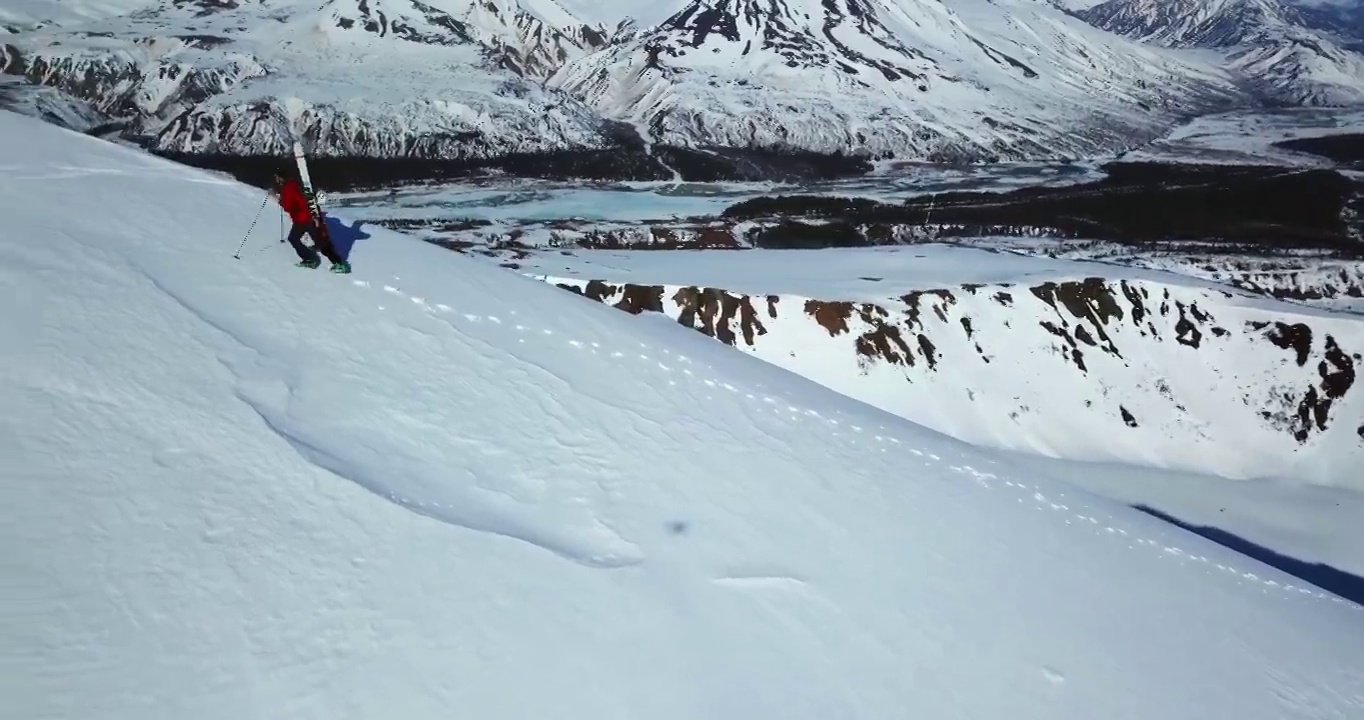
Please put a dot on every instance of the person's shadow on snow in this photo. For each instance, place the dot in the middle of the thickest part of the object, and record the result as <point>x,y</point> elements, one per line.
<point>343,237</point>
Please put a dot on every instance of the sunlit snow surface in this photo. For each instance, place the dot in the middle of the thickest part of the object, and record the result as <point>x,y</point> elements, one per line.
<point>433,488</point>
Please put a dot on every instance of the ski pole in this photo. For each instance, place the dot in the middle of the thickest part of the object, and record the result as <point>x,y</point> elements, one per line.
<point>238,254</point>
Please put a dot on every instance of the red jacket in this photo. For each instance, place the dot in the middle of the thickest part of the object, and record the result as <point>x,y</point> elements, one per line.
<point>292,200</point>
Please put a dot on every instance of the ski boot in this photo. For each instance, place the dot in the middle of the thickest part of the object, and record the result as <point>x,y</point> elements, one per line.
<point>341,268</point>
<point>309,263</point>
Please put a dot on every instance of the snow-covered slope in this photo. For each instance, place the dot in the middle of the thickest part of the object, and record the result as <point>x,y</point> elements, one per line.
<point>234,488</point>
<point>1067,359</point>
<point>914,78</point>
<point>460,79</point>
<point>1267,44</point>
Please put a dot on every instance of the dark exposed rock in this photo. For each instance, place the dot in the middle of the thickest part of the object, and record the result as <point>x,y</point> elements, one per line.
<point>1091,299</point>
<point>1337,371</point>
<point>832,316</point>
<point>929,351</point>
<point>1127,417</point>
<point>1186,332</point>
<point>885,342</point>
<point>1297,337</point>
<point>714,311</point>
<point>1083,335</point>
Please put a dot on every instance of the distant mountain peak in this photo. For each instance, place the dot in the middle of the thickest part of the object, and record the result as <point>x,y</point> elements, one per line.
<point>1267,43</point>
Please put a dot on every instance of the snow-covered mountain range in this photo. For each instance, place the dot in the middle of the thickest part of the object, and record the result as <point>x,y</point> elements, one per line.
<point>1269,45</point>
<point>457,79</point>
<point>368,77</point>
<point>910,77</point>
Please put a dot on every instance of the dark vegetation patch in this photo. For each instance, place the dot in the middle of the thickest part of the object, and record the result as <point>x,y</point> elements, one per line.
<point>1245,208</point>
<point>627,160</point>
<point>1346,148</point>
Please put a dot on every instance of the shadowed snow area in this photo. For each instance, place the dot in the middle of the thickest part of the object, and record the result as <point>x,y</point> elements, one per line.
<point>434,488</point>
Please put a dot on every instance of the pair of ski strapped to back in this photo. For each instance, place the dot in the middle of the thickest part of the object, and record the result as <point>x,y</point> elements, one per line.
<point>314,208</point>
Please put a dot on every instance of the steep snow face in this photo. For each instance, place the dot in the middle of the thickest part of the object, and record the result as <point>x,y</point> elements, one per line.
<point>1032,354</point>
<point>1267,44</point>
<point>912,78</point>
<point>238,489</point>
<point>359,77</point>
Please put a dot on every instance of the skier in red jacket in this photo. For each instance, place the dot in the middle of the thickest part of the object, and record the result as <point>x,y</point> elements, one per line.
<point>291,198</point>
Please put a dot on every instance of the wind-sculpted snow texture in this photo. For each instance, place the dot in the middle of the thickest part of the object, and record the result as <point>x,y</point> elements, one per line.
<point>459,80</point>
<point>910,77</point>
<point>1267,44</point>
<point>237,488</point>
<point>1168,372</point>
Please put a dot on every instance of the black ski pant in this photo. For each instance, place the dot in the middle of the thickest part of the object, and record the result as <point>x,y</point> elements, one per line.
<point>320,242</point>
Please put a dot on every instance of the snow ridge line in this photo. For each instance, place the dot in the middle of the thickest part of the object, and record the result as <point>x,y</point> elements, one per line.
<point>852,434</point>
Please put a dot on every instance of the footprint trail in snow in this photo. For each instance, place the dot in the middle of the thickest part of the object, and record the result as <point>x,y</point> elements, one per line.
<point>617,551</point>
